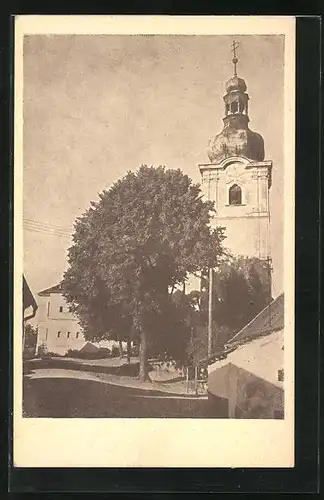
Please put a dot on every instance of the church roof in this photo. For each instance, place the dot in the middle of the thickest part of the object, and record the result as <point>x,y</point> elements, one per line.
<point>236,138</point>
<point>236,83</point>
<point>269,320</point>
<point>53,289</point>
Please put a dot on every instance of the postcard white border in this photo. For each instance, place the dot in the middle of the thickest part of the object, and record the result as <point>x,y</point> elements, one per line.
<point>157,442</point>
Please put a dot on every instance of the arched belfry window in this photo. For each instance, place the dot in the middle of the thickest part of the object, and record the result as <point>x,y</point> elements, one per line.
<point>234,107</point>
<point>241,106</point>
<point>235,195</point>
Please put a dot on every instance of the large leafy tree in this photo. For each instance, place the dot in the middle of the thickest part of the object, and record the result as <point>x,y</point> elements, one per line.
<point>144,236</point>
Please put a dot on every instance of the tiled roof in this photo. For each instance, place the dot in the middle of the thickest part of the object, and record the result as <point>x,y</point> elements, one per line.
<point>28,298</point>
<point>269,320</point>
<point>54,289</point>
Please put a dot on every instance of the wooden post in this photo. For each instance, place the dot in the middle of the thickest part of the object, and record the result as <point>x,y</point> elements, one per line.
<point>210,314</point>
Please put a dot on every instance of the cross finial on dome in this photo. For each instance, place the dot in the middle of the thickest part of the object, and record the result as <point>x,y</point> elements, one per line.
<point>235,45</point>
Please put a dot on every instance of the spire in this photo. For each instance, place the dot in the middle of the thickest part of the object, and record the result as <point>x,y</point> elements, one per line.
<point>236,139</point>
<point>236,98</point>
<point>235,59</point>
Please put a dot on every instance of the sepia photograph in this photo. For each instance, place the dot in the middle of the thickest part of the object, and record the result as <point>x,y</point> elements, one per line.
<point>153,196</point>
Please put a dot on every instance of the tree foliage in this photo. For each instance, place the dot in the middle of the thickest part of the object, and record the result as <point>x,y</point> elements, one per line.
<point>144,236</point>
<point>30,335</point>
<point>241,289</point>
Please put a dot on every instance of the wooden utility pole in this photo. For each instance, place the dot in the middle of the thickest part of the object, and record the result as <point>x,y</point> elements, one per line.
<point>210,313</point>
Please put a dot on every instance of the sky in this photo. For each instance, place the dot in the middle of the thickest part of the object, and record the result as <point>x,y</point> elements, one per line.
<point>97,106</point>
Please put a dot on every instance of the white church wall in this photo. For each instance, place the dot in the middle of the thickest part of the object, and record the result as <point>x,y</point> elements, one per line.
<point>246,224</point>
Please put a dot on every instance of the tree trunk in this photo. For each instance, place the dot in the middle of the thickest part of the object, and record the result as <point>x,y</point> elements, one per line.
<point>143,372</point>
<point>129,350</point>
<point>120,349</point>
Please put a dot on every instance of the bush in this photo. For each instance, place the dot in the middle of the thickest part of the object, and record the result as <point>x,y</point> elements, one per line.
<point>106,353</point>
<point>73,353</point>
<point>114,352</point>
<point>43,353</point>
<point>101,353</point>
<point>29,353</point>
<point>30,336</point>
<point>135,351</point>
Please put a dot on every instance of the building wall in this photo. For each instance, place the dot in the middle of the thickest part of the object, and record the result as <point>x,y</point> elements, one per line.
<point>251,378</point>
<point>58,329</point>
<point>257,398</point>
<point>247,225</point>
<point>264,357</point>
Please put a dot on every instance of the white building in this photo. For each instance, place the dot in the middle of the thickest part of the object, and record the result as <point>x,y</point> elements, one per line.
<point>247,380</point>
<point>58,329</point>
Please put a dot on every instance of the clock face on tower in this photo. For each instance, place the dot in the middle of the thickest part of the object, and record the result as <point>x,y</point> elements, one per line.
<point>234,171</point>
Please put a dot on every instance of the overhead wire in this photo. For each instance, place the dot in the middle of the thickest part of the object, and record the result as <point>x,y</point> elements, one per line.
<point>47,224</point>
<point>46,228</point>
<point>51,233</point>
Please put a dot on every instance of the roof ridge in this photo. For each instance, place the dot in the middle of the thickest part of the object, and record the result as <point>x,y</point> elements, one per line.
<point>256,317</point>
<point>53,289</point>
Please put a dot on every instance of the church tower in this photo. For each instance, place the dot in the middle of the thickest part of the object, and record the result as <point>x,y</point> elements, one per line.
<point>237,178</point>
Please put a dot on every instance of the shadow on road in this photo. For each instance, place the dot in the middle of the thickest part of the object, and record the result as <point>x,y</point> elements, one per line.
<point>127,369</point>
<point>66,398</point>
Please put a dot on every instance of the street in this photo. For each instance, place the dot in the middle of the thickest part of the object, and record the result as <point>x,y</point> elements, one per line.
<point>70,397</point>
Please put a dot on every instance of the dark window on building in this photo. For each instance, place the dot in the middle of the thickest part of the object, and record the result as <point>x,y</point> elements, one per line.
<point>68,334</point>
<point>235,195</point>
<point>58,334</point>
<point>48,308</point>
<point>46,335</point>
<point>280,375</point>
<point>61,309</point>
<point>77,335</point>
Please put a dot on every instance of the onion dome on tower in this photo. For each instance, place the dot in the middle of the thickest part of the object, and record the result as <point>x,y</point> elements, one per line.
<point>236,139</point>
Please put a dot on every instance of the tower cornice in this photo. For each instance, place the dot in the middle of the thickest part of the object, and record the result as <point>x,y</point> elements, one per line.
<point>205,167</point>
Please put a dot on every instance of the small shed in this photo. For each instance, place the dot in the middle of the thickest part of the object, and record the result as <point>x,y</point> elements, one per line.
<point>89,348</point>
